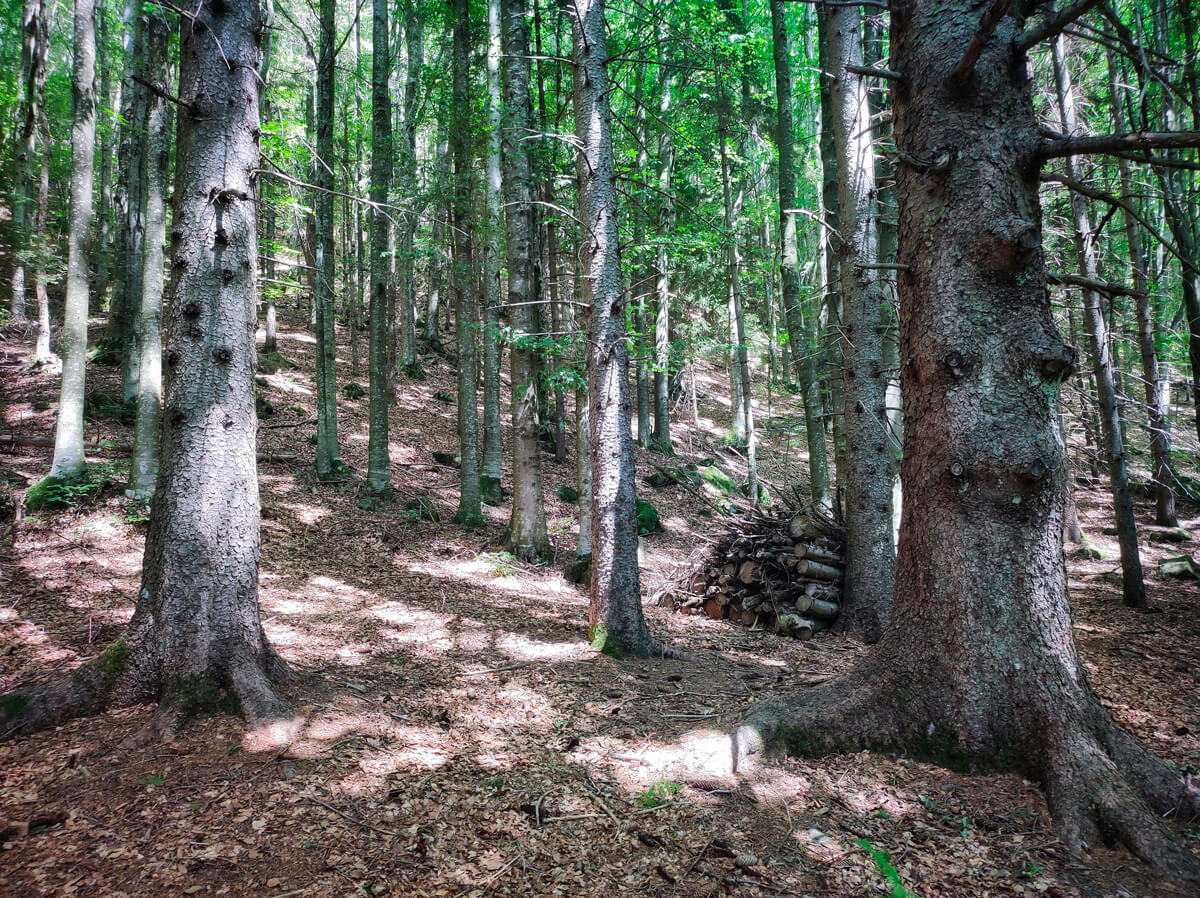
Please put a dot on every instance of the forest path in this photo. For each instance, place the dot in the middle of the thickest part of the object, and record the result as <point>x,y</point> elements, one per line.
<point>461,739</point>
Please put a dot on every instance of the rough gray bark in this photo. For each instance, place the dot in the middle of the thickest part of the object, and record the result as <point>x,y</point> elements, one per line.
<point>490,470</point>
<point>144,468</point>
<point>266,190</point>
<point>526,537</point>
<point>196,632</point>
<point>328,462</point>
<point>979,665</point>
<point>379,473</point>
<point>802,336</point>
<point>68,433</point>
<point>110,99</point>
<point>617,626</point>
<point>870,559</point>
<point>1133,587</point>
<point>464,297</point>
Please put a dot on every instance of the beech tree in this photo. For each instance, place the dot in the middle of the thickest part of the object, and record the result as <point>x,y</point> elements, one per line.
<point>978,665</point>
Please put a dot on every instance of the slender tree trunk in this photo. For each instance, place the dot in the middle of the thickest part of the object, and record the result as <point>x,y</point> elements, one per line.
<point>68,434</point>
<point>870,559</point>
<point>328,462</point>
<point>526,536</point>
<point>1156,411</point>
<point>34,50</point>
<point>615,609</point>
<point>663,263</point>
<point>414,41</point>
<point>979,663</point>
<point>379,473</point>
<point>1133,587</point>
<point>144,468</point>
<point>110,100</point>
<point>266,189</point>
<point>802,336</point>
<point>464,300</point>
<point>492,443</point>
<point>41,277</point>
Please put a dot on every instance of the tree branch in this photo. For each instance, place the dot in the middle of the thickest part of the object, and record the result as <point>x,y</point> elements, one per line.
<point>1106,287</point>
<point>869,72</point>
<point>1111,143</point>
<point>987,27</point>
<point>1054,24</point>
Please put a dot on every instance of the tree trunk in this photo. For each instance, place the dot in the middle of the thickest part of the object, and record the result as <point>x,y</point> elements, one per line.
<point>266,190</point>
<point>122,332</point>
<point>464,300</point>
<point>196,632</point>
<point>110,101</point>
<point>379,473</point>
<point>144,468</point>
<point>870,559</point>
<point>493,448</point>
<point>801,337</point>
<point>1133,587</point>
<point>978,666</point>
<point>617,626</point>
<point>68,434</point>
<point>526,538</point>
<point>414,41</point>
<point>1156,410</point>
<point>328,462</point>
<point>663,264</point>
<point>35,47</point>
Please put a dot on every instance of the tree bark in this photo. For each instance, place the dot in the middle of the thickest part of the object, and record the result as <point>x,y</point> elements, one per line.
<point>35,47</point>
<point>870,559</point>
<point>1133,587</point>
<point>414,42</point>
<point>328,462</point>
<point>464,298</point>
<point>978,666</point>
<point>195,633</point>
<point>526,538</point>
<point>68,434</point>
<point>493,448</point>
<point>801,337</point>
<point>379,475</point>
<point>144,468</point>
<point>617,626</point>
<point>662,274</point>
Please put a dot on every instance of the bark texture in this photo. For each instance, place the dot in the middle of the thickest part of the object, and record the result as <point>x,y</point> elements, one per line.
<point>978,666</point>
<point>493,449</point>
<point>379,473</point>
<point>68,433</point>
<point>617,626</point>
<point>870,559</point>
<point>526,538</point>
<point>195,633</point>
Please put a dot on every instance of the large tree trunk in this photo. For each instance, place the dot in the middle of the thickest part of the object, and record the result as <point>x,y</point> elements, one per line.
<point>526,538</point>
<point>378,461</point>
<point>328,462</point>
<point>801,337</point>
<point>144,469</point>
<point>617,626</point>
<point>196,632</point>
<point>978,665</point>
<point>870,559</point>
<point>68,434</point>
<point>1133,586</point>
<point>464,295</point>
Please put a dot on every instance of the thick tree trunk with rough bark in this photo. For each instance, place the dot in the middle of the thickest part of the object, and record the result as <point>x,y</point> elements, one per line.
<point>328,461</point>
<point>379,473</point>
<point>196,632</point>
<point>978,666</point>
<point>144,468</point>
<point>464,296</point>
<point>1133,587</point>
<point>526,537</point>
<point>68,433</point>
<point>617,626</point>
<point>870,559</point>
<point>802,337</point>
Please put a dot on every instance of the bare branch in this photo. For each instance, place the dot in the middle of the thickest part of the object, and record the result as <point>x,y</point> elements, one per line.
<point>987,27</point>
<point>1106,287</point>
<point>1112,143</point>
<point>1055,24</point>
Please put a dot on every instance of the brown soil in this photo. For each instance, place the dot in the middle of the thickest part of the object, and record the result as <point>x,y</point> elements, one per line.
<point>460,737</point>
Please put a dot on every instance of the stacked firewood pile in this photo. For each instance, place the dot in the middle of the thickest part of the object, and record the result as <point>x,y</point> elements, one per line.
<point>777,568</point>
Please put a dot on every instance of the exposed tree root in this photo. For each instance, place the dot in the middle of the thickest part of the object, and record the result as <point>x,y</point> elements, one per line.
<point>1102,786</point>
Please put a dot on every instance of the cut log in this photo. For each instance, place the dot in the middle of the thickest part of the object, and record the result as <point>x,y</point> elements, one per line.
<point>817,553</point>
<point>823,610</point>
<point>715,609</point>
<point>815,569</point>
<point>748,572</point>
<point>803,525</point>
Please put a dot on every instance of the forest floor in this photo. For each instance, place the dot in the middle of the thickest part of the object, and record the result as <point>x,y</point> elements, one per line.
<point>460,737</point>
